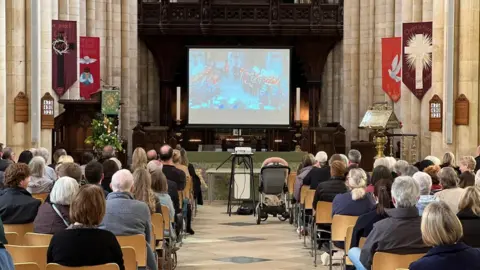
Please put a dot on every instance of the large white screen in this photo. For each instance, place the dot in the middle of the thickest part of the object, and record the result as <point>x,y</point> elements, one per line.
<point>239,86</point>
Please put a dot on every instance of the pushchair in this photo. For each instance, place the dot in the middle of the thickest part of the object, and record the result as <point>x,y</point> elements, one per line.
<point>273,182</point>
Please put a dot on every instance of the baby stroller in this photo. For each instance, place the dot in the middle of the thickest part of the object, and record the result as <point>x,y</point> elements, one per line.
<point>273,182</point>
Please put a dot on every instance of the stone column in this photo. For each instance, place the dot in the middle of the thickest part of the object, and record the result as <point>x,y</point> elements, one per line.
<point>153,89</point>
<point>116,31</point>
<point>337,78</point>
<point>34,51</point>
<point>143,80</point>
<point>74,15</point>
<point>110,42</point>
<point>83,18</point>
<point>354,69</point>
<point>3,72</point>
<point>46,63</point>
<point>363,98</point>
<point>54,6</point>
<point>346,71</point>
<point>326,94</point>
<point>397,32</point>
<point>15,15</point>
<point>99,24</point>
<point>378,32</point>
<point>468,78</point>
<point>125,91</point>
<point>133,54</point>
<point>90,5</point>
<point>63,9</point>
<point>406,95</point>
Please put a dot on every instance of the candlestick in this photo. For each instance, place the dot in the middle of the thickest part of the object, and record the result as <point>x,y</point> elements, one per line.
<point>178,102</point>
<point>297,111</point>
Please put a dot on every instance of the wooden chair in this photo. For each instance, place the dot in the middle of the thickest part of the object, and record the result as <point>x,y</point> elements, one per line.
<point>22,254</point>
<point>390,261</point>
<point>323,215</point>
<point>12,238</point>
<point>37,239</point>
<point>157,221</point>
<point>108,266</point>
<point>340,224</point>
<point>308,206</point>
<point>166,218</point>
<point>26,266</point>
<point>300,208</point>
<point>20,229</point>
<point>348,242</point>
<point>129,258</point>
<point>41,196</point>
<point>291,182</point>
<point>362,242</point>
<point>139,244</point>
<point>290,185</point>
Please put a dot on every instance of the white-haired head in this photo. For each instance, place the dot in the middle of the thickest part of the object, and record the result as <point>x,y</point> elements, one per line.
<point>381,162</point>
<point>434,160</point>
<point>354,156</point>
<point>424,182</point>
<point>122,181</point>
<point>345,159</point>
<point>405,192</point>
<point>64,191</point>
<point>153,165</point>
<point>42,152</point>
<point>37,166</point>
<point>401,167</point>
<point>391,162</point>
<point>321,157</point>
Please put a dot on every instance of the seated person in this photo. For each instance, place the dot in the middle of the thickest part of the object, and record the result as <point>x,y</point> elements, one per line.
<point>379,172</point>
<point>442,231</point>
<point>356,201</point>
<point>39,182</point>
<point>126,216</point>
<point>322,174</point>
<point>467,166</point>
<point>110,167</point>
<point>83,244</point>
<point>142,190</point>
<point>160,187</point>
<point>400,232</point>
<point>326,191</point>
<point>308,162</point>
<point>424,182</point>
<point>17,206</point>
<point>451,193</point>
<point>56,155</point>
<point>365,222</point>
<point>69,169</point>
<point>469,215</point>
<point>53,216</point>
<point>94,174</point>
<point>49,172</point>
<point>433,172</point>
<point>5,259</point>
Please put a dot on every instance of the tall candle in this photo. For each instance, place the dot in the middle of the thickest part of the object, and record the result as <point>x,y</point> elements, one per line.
<point>178,102</point>
<point>297,111</point>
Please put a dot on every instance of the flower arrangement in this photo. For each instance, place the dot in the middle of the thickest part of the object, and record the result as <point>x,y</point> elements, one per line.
<point>104,133</point>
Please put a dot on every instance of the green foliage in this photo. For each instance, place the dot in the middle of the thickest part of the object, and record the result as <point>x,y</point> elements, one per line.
<point>104,133</point>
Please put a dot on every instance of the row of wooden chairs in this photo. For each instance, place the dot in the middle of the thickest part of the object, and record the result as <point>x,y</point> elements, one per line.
<point>54,266</point>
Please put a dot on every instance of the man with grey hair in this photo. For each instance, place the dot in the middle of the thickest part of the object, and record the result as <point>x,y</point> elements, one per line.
<point>424,182</point>
<point>321,157</point>
<point>354,157</point>
<point>109,152</point>
<point>126,216</point>
<point>400,232</point>
<point>400,167</point>
<point>8,158</point>
<point>43,152</point>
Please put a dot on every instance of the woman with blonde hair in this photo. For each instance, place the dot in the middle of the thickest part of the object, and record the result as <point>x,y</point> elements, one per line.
<point>449,161</point>
<point>142,190</point>
<point>469,215</point>
<point>356,201</point>
<point>442,231</point>
<point>139,159</point>
<point>467,166</point>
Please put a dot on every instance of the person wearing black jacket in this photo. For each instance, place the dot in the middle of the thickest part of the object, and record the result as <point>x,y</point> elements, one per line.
<point>326,191</point>
<point>322,174</point>
<point>469,216</point>
<point>169,169</point>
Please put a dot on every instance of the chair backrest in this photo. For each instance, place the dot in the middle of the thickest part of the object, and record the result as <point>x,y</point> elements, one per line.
<point>348,237</point>
<point>291,181</point>
<point>12,238</point>
<point>21,229</point>
<point>309,199</point>
<point>390,261</point>
<point>152,236</point>
<point>157,221</point>
<point>139,244</point>
<point>23,254</point>
<point>166,216</point>
<point>323,213</point>
<point>129,258</point>
<point>40,196</point>
<point>362,242</point>
<point>340,223</point>
<point>108,266</point>
<point>303,194</point>
<point>26,266</point>
<point>37,239</point>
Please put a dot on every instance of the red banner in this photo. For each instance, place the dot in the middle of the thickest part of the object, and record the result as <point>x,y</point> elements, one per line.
<point>89,66</point>
<point>392,66</point>
<point>417,57</point>
<point>64,55</point>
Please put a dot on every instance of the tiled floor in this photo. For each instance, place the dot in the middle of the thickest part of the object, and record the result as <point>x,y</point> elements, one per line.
<point>237,242</point>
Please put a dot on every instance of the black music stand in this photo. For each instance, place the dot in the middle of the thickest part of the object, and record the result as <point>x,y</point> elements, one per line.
<point>247,161</point>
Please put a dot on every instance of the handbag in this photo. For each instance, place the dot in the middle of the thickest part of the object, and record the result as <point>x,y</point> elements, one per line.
<point>60,215</point>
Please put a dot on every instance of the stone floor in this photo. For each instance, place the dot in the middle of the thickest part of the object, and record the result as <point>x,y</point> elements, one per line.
<point>236,242</point>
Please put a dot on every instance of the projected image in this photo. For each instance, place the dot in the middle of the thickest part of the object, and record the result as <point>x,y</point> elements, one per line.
<point>239,79</point>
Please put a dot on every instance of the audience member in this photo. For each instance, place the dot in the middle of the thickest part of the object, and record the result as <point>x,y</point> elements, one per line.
<point>160,187</point>
<point>365,222</point>
<point>421,165</point>
<point>442,231</point>
<point>142,190</point>
<point>152,165</point>
<point>49,172</point>
<point>152,155</point>
<point>400,231</point>
<point>424,182</point>
<point>110,167</point>
<point>87,157</point>
<point>434,160</point>
<point>53,216</point>
<point>94,174</point>
<point>139,159</point>
<point>169,169</point>
<point>467,166</point>
<point>110,153</point>
<point>391,165</point>
<point>326,191</point>
<point>449,161</point>
<point>379,172</point>
<point>401,167</point>
<point>56,155</point>
<point>322,174</point>
<point>83,243</point>
<point>126,216</point>
<point>354,158</point>
<point>197,183</point>
<point>345,160</point>
<point>411,170</point>
<point>433,172</point>
<point>17,206</point>
<point>69,169</point>
<point>382,162</point>
<point>177,161</point>
<point>308,161</point>
<point>356,201</point>
<point>477,160</point>
<point>25,157</point>
<point>8,158</point>
<point>39,182</point>
<point>6,260</point>
<point>451,193</point>
<point>469,215</point>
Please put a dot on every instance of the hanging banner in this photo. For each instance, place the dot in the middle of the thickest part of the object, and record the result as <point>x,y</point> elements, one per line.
<point>89,66</point>
<point>391,67</point>
<point>417,57</point>
<point>64,55</point>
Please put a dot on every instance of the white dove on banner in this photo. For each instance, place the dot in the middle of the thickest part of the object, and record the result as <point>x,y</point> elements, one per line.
<point>393,72</point>
<point>87,60</point>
